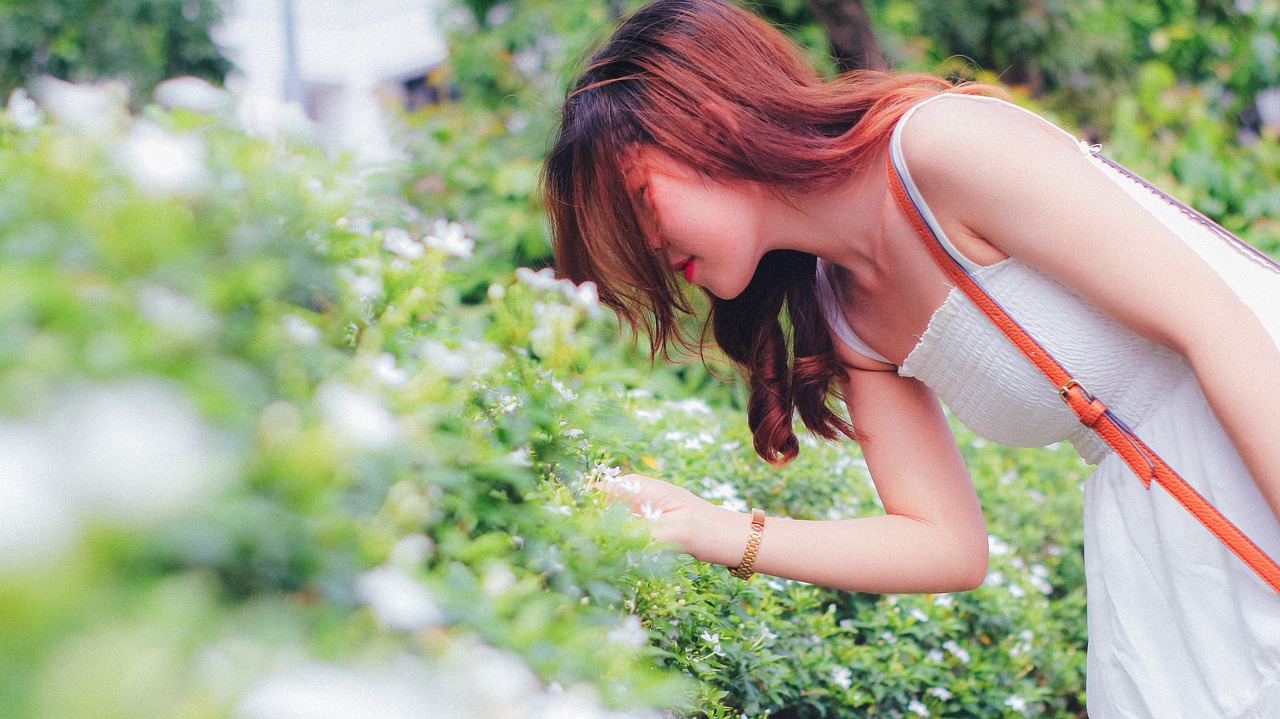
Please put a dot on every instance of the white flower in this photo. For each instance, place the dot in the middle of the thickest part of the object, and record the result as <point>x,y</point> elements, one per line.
<point>359,418</point>
<point>365,288</point>
<point>714,641</point>
<point>35,523</point>
<point>498,580</point>
<point>450,238</point>
<point>649,512</point>
<point>648,415</point>
<point>397,241</point>
<point>630,633</point>
<point>95,109</point>
<point>299,331</point>
<point>691,407</point>
<point>957,651</point>
<point>997,546</point>
<point>176,313</point>
<point>944,600</point>
<point>584,296</point>
<point>842,676</point>
<point>411,551</point>
<point>398,601</point>
<point>919,614</point>
<point>24,113</point>
<point>193,94</point>
<point>935,656</point>
<point>1016,591</point>
<point>941,693</point>
<point>553,324</point>
<point>321,691</point>
<point>450,363</point>
<point>136,451</point>
<point>995,578</point>
<point>543,280</point>
<point>1016,703</point>
<point>917,707</point>
<point>161,163</point>
<point>385,370</point>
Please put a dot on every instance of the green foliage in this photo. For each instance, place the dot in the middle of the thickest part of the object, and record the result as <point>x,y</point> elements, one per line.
<point>262,453</point>
<point>139,41</point>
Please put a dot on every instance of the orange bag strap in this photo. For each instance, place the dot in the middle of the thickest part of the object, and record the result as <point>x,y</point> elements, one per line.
<point>1145,463</point>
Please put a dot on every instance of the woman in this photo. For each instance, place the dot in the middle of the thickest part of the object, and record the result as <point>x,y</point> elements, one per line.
<point>698,146</point>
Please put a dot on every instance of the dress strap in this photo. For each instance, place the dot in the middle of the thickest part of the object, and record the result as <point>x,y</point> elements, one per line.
<point>835,316</point>
<point>900,165</point>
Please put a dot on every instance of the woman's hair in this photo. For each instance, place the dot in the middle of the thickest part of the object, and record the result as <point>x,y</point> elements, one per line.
<point>720,90</point>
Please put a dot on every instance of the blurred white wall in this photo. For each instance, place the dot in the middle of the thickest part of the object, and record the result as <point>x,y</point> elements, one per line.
<point>352,57</point>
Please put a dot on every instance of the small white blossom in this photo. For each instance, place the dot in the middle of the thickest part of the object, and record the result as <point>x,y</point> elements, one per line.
<point>919,614</point>
<point>630,633</point>
<point>498,580</point>
<point>1016,591</point>
<point>450,363</point>
<point>320,691</point>
<point>176,313</point>
<point>24,113</point>
<point>411,551</point>
<point>300,331</point>
<point>384,369</point>
<point>161,163</point>
<point>842,676</point>
<point>397,241</point>
<point>693,406</point>
<point>398,600</point>
<point>544,279</point>
<point>584,296</point>
<point>1016,703</point>
<point>365,288</point>
<point>553,325</point>
<point>997,546</point>
<point>714,641</point>
<point>941,693</point>
<point>193,94</point>
<point>450,238</point>
<point>935,656</point>
<point>995,578</point>
<point>944,600</point>
<point>509,403</point>
<point>358,417</point>
<point>917,707</point>
<point>649,512</point>
<point>956,651</point>
<point>96,109</point>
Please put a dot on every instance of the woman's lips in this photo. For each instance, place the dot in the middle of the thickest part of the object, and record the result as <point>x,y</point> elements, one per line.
<point>688,271</point>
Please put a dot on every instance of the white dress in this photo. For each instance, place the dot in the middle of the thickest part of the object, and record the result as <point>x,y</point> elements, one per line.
<point>1178,625</point>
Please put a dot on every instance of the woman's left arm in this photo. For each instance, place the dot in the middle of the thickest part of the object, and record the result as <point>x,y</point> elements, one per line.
<point>1011,180</point>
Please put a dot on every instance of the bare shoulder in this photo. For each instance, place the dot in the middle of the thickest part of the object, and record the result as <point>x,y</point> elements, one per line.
<point>961,134</point>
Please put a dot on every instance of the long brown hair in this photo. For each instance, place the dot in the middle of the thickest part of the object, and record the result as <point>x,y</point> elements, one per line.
<point>721,90</point>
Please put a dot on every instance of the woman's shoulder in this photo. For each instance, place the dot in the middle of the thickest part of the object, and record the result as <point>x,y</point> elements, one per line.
<point>956,133</point>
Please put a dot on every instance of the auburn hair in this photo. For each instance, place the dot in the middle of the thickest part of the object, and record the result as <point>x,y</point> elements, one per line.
<point>717,88</point>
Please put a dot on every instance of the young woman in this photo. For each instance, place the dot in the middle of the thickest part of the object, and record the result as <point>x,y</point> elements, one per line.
<point>697,147</point>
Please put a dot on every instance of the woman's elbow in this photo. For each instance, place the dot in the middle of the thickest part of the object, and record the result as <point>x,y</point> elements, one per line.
<point>967,566</point>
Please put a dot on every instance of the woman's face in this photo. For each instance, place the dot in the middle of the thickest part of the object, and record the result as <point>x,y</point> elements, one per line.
<point>706,230</point>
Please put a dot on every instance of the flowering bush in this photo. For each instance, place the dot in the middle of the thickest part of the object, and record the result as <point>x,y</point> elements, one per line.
<point>262,462</point>
<point>267,460</point>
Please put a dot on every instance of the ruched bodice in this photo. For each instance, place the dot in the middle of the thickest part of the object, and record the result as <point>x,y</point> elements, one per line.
<point>1178,626</point>
<point>996,391</point>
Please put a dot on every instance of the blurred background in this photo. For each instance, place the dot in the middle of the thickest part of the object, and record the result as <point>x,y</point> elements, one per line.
<point>296,423</point>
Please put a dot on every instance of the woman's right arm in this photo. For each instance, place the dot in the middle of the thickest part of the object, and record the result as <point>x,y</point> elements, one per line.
<point>932,537</point>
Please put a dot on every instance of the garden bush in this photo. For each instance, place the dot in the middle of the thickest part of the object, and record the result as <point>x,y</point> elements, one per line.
<point>267,460</point>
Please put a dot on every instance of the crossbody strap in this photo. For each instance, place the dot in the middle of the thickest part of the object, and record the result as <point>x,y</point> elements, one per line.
<point>1145,463</point>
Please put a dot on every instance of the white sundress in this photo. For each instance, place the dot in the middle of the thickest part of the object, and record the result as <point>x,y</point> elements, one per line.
<point>1178,625</point>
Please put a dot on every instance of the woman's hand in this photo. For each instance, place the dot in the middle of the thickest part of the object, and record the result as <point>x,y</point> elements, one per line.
<point>674,513</point>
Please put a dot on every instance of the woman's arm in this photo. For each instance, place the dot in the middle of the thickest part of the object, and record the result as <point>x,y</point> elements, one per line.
<point>1008,178</point>
<point>932,537</point>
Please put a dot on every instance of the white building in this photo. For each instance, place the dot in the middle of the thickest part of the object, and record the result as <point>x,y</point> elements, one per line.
<point>351,58</point>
